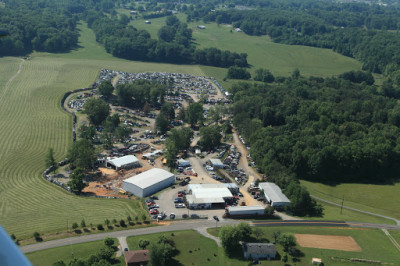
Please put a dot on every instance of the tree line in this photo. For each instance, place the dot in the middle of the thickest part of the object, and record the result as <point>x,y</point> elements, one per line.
<point>174,44</point>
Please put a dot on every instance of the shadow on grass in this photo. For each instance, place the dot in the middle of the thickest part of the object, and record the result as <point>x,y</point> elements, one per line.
<point>86,230</point>
<point>77,231</point>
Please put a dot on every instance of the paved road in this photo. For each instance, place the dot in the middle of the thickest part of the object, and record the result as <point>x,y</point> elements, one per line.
<point>175,226</point>
<point>357,210</point>
<point>199,225</point>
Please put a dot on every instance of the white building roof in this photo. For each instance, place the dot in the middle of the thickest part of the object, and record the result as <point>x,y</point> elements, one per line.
<point>216,185</point>
<point>149,178</point>
<point>203,193</point>
<point>191,199</point>
<point>125,160</point>
<point>247,208</point>
<point>273,192</point>
<point>216,162</point>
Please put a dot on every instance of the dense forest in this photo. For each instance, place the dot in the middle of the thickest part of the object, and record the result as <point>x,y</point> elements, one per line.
<point>327,130</point>
<point>33,27</point>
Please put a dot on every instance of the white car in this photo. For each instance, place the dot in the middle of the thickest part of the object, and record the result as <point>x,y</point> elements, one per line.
<point>180,205</point>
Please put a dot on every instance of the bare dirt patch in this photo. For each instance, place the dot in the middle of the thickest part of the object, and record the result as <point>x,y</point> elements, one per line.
<point>345,243</point>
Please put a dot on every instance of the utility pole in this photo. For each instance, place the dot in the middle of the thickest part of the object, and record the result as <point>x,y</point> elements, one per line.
<point>341,208</point>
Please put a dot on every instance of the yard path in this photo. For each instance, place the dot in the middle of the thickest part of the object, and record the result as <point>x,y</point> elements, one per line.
<point>357,210</point>
<point>122,245</point>
<point>11,80</point>
<point>203,231</point>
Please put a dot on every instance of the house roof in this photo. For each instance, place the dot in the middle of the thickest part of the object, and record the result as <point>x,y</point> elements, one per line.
<point>259,248</point>
<point>273,192</point>
<point>125,160</point>
<point>149,178</point>
<point>136,256</point>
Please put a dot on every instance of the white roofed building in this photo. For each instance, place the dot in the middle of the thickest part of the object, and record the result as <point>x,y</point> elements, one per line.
<point>206,196</point>
<point>148,182</point>
<point>245,210</point>
<point>273,194</point>
<point>125,162</point>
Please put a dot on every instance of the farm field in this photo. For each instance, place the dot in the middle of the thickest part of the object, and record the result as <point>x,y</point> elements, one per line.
<point>262,52</point>
<point>381,199</point>
<point>79,251</point>
<point>375,245</point>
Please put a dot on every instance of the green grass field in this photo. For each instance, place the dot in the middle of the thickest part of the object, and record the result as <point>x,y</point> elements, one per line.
<point>381,199</point>
<point>262,52</point>
<point>202,248</point>
<point>332,212</point>
<point>374,243</point>
<point>65,253</point>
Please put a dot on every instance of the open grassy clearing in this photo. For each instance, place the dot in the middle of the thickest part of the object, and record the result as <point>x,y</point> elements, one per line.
<point>262,52</point>
<point>381,199</point>
<point>332,212</point>
<point>374,243</point>
<point>66,253</point>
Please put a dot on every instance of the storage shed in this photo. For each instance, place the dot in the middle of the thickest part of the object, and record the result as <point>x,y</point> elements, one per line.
<point>273,194</point>
<point>216,163</point>
<point>245,210</point>
<point>149,182</point>
<point>125,162</point>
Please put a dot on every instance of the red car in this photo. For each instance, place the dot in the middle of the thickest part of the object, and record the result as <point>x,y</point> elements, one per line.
<point>154,211</point>
<point>180,194</point>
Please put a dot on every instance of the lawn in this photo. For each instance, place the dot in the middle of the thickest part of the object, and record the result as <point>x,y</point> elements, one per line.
<point>202,248</point>
<point>332,212</point>
<point>66,253</point>
<point>262,52</point>
<point>374,243</point>
<point>381,199</point>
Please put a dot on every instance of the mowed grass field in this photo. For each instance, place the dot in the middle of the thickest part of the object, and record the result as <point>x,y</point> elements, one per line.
<point>374,243</point>
<point>381,199</point>
<point>79,251</point>
<point>32,120</point>
<point>262,52</point>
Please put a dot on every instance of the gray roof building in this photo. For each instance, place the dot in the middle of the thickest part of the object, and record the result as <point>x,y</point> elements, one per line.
<point>216,163</point>
<point>255,251</point>
<point>149,182</point>
<point>274,194</point>
<point>125,162</point>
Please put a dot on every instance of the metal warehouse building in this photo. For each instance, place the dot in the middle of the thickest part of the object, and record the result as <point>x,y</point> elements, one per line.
<point>125,162</point>
<point>149,182</point>
<point>274,194</point>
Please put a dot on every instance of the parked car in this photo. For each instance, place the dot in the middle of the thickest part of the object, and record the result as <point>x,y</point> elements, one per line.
<point>155,206</point>
<point>172,216</point>
<point>178,200</point>
<point>154,197</point>
<point>194,216</point>
<point>180,205</point>
<point>154,211</point>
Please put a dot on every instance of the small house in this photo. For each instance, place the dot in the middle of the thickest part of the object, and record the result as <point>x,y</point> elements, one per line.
<point>136,257</point>
<point>256,251</point>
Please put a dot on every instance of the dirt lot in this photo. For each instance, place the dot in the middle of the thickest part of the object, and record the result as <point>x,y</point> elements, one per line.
<point>345,243</point>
